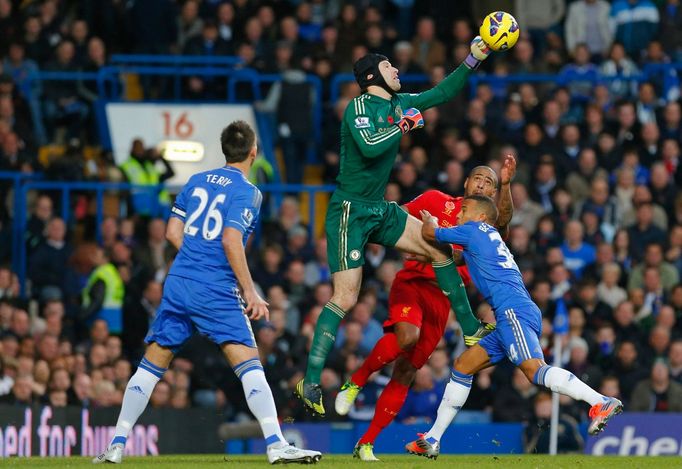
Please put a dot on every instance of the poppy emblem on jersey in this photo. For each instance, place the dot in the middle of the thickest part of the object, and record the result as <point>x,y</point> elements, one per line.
<point>355,254</point>
<point>449,207</point>
<point>406,311</point>
<point>390,120</point>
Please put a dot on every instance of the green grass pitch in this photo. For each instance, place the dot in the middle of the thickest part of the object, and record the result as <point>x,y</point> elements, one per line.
<point>347,462</point>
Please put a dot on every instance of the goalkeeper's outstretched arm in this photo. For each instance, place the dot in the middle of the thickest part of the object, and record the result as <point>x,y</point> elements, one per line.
<point>454,82</point>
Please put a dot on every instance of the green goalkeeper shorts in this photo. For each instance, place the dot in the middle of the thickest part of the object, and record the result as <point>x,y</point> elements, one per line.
<point>351,223</point>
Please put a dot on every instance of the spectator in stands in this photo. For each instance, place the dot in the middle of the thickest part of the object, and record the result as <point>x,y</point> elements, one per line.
<point>78,34</point>
<point>642,195</point>
<point>269,271</point>
<point>635,23</point>
<point>619,64</point>
<point>658,393</point>
<point>428,50</point>
<point>587,22</point>
<point>140,169</point>
<point>46,264</point>
<point>138,315</point>
<point>189,24</point>
<point>63,105</point>
<point>290,32</point>
<point>671,127</point>
<point>514,405</point>
<point>157,253</point>
<point>624,323</point>
<point>674,252</point>
<point>420,405</point>
<point>19,67</point>
<point>608,289</point>
<point>670,16</point>
<point>643,232</point>
<point>208,44</point>
<point>577,254</point>
<point>371,330</point>
<point>675,361</point>
<point>627,368</point>
<point>22,392</point>
<point>653,257</point>
<point>37,46</point>
<point>581,72</point>
<point>647,103</point>
<point>103,293</point>
<point>225,21</point>
<point>536,436</point>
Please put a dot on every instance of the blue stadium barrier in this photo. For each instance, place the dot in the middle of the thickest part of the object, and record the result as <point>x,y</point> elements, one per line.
<point>341,78</point>
<point>177,66</point>
<point>144,59</point>
<point>112,72</point>
<point>23,185</point>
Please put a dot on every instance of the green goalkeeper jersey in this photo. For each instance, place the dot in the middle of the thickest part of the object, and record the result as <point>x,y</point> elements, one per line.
<point>370,140</point>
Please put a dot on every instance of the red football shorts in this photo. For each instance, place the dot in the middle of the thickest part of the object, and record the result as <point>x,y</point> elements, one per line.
<point>421,303</point>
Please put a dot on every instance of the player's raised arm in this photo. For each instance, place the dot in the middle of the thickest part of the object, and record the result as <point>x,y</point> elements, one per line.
<point>454,82</point>
<point>505,205</point>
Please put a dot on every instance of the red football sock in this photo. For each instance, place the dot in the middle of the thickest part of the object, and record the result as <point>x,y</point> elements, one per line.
<point>384,352</point>
<point>389,404</point>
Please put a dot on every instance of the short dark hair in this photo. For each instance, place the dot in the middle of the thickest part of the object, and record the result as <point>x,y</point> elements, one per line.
<point>236,141</point>
<point>486,205</point>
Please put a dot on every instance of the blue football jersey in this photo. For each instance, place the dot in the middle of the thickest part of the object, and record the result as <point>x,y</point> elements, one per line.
<point>210,202</point>
<point>491,265</point>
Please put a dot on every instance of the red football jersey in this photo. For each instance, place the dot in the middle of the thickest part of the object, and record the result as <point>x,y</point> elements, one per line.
<point>445,208</point>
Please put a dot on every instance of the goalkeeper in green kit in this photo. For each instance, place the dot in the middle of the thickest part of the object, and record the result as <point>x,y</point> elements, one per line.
<point>372,126</point>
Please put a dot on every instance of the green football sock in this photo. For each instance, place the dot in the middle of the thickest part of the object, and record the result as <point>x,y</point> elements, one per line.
<point>451,283</point>
<point>323,341</point>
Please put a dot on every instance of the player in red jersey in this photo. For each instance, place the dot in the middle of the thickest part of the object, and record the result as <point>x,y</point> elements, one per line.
<point>418,310</point>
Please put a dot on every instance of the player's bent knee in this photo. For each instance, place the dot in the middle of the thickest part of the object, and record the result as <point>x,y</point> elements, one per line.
<point>530,367</point>
<point>407,336</point>
<point>345,301</point>
<point>159,355</point>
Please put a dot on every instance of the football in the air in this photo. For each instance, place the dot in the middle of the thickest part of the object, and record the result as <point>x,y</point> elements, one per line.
<point>499,30</point>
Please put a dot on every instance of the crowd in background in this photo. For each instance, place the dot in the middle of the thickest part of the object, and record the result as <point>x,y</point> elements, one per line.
<point>597,206</point>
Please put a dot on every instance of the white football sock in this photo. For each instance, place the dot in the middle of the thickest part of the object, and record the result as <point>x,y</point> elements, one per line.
<point>138,391</point>
<point>565,382</point>
<point>260,400</point>
<point>456,394</point>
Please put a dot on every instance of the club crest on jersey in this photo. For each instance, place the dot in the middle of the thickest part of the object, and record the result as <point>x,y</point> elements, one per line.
<point>449,207</point>
<point>361,122</point>
<point>399,111</point>
<point>247,217</point>
<point>355,254</point>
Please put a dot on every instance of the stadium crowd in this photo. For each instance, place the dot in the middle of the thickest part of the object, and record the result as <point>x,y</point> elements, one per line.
<point>598,208</point>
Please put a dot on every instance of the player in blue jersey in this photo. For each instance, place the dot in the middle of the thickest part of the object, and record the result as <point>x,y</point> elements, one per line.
<point>210,223</point>
<point>519,323</point>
